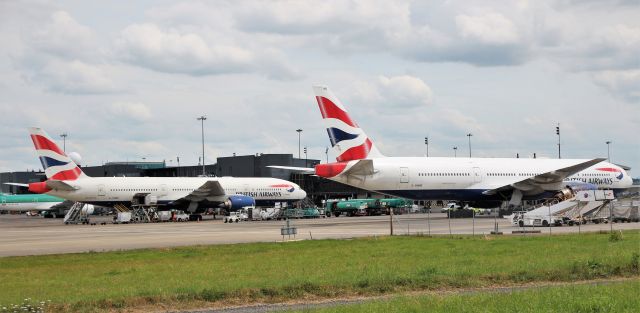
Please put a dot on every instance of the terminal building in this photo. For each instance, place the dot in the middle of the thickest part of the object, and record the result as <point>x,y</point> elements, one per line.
<point>317,188</point>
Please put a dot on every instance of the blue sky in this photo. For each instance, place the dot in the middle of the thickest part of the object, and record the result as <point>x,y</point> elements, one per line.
<point>127,81</point>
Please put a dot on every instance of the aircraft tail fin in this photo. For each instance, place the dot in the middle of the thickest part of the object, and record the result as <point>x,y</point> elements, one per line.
<point>55,162</point>
<point>348,140</point>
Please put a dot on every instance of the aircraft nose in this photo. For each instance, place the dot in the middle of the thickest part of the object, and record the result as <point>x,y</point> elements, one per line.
<point>303,194</point>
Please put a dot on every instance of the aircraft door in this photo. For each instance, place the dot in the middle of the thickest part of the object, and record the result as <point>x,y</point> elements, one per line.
<point>404,175</point>
<point>101,191</point>
<point>477,175</point>
<point>163,190</point>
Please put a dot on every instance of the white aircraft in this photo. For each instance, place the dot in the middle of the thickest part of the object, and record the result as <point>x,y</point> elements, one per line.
<point>66,180</point>
<point>28,202</point>
<point>480,182</point>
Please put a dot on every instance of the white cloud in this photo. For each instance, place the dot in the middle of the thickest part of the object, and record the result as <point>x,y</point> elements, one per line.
<point>187,52</point>
<point>625,83</point>
<point>64,37</point>
<point>74,77</point>
<point>174,51</point>
<point>63,56</point>
<point>131,110</point>
<point>404,91</point>
<point>489,28</point>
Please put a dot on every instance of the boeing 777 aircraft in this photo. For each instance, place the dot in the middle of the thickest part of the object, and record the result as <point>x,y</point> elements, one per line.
<point>66,180</point>
<point>481,182</point>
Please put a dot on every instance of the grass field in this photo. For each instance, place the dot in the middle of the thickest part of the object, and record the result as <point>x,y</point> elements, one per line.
<point>310,269</point>
<point>618,297</point>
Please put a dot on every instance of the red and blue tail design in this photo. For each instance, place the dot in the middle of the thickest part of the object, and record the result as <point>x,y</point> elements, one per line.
<point>57,165</point>
<point>347,139</point>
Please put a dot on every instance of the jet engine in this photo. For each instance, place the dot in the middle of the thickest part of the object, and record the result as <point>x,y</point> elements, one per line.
<point>88,209</point>
<point>572,187</point>
<point>236,202</point>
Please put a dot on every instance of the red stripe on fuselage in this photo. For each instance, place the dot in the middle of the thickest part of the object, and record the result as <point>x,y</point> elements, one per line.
<point>328,109</point>
<point>42,143</point>
<point>356,153</point>
<point>72,174</point>
<point>608,169</point>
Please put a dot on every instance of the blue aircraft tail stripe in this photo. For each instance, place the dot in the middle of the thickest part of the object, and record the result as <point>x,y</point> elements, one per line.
<point>336,135</point>
<point>49,162</point>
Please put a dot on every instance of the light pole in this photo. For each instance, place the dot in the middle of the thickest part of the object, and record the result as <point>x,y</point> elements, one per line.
<point>608,155</point>
<point>558,133</point>
<point>64,142</point>
<point>299,130</point>
<point>202,119</point>
<point>469,135</point>
<point>426,142</point>
<point>455,152</point>
<point>326,152</point>
<point>305,157</point>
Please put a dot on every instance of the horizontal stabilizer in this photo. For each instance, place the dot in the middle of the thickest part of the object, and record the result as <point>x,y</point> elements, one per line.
<point>362,167</point>
<point>17,184</point>
<point>59,185</point>
<point>308,170</point>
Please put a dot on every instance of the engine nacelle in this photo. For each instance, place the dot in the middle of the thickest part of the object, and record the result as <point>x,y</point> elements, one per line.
<point>235,202</point>
<point>88,209</point>
<point>572,187</point>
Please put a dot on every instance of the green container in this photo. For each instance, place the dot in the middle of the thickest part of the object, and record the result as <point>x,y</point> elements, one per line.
<point>310,213</point>
<point>394,203</point>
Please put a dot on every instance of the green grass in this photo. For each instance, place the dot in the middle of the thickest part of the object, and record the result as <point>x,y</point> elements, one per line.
<point>324,268</point>
<point>618,298</point>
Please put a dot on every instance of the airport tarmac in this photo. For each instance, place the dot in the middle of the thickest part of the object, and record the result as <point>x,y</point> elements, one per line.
<point>23,235</point>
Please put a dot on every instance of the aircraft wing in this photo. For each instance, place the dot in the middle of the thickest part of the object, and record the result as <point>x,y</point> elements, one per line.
<point>211,188</point>
<point>544,181</point>
<point>59,185</point>
<point>306,170</point>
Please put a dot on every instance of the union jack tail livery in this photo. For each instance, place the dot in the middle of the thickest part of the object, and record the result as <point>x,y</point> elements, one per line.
<point>347,139</point>
<point>57,165</point>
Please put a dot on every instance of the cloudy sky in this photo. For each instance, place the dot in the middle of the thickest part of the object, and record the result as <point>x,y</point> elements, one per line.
<point>127,80</point>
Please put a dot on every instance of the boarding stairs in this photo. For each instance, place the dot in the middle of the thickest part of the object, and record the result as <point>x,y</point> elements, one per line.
<point>306,203</point>
<point>121,208</point>
<point>583,210</point>
<point>553,207</point>
<point>548,213</point>
<point>76,214</point>
<point>144,213</point>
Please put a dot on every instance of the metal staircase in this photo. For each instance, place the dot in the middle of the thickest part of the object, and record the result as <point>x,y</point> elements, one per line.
<point>76,214</point>
<point>121,208</point>
<point>306,203</point>
<point>144,214</point>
